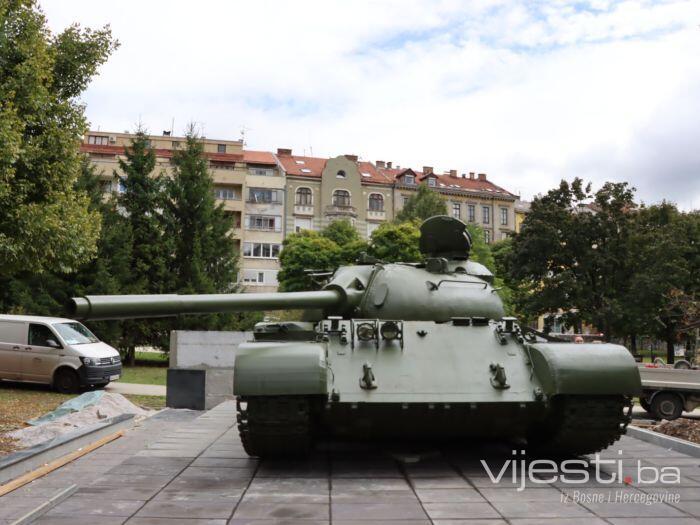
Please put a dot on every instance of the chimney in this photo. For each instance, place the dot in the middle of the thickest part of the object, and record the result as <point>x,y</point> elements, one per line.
<point>380,163</point>
<point>482,177</point>
<point>284,151</point>
<point>427,170</point>
<point>464,175</point>
<point>471,175</point>
<point>453,174</point>
<point>352,158</point>
<point>388,164</point>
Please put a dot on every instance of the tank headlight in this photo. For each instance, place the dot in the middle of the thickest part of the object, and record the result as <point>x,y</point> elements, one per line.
<point>366,332</point>
<point>390,331</point>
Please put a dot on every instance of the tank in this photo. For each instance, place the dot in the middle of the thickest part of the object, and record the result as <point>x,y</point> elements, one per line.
<point>407,351</point>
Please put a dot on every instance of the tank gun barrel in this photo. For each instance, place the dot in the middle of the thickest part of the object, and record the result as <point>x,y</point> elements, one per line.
<point>103,307</point>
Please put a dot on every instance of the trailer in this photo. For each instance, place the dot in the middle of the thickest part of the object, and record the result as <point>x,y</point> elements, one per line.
<point>668,392</point>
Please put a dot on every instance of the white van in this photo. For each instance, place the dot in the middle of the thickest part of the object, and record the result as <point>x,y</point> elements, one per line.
<point>55,351</point>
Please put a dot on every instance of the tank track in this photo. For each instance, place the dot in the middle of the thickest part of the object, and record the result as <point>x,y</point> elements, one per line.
<point>582,425</point>
<point>275,426</point>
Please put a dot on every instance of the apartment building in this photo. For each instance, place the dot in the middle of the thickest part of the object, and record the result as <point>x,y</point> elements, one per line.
<point>248,183</point>
<point>471,197</point>
<point>322,190</point>
<point>368,194</point>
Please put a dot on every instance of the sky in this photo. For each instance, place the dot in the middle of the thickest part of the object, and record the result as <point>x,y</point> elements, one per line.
<point>529,92</point>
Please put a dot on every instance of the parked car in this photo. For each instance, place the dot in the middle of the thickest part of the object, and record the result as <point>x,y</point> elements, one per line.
<point>55,351</point>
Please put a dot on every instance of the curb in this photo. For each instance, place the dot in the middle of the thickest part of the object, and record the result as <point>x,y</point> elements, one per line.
<point>669,442</point>
<point>34,514</point>
<point>26,460</point>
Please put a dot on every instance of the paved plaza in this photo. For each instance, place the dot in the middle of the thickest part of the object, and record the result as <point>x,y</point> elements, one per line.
<point>183,467</point>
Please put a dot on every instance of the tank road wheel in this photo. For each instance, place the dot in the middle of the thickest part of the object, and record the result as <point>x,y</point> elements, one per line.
<point>275,426</point>
<point>581,425</point>
<point>666,405</point>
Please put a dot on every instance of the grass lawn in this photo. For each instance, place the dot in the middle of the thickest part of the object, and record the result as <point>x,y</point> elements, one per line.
<point>152,402</point>
<point>151,369</point>
<point>147,375</point>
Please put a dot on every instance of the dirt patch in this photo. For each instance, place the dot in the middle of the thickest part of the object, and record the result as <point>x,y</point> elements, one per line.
<point>18,403</point>
<point>688,429</point>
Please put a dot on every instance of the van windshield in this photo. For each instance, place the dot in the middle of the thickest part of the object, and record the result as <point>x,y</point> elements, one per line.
<point>75,334</point>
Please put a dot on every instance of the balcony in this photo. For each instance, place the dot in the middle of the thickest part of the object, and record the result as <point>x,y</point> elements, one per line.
<point>341,211</point>
<point>262,201</point>
<point>376,215</point>
<point>303,209</point>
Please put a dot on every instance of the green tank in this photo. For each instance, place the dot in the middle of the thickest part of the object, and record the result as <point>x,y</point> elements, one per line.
<point>407,351</point>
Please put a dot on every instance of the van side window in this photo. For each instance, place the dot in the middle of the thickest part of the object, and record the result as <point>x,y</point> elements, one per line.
<point>39,335</point>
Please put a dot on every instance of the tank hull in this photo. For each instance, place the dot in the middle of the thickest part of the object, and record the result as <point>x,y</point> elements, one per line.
<point>467,378</point>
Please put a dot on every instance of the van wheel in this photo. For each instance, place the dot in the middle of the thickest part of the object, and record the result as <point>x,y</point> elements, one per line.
<point>66,381</point>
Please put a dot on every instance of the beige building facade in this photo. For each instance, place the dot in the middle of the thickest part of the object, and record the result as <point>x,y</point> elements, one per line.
<point>271,195</point>
<point>248,183</point>
<point>367,194</point>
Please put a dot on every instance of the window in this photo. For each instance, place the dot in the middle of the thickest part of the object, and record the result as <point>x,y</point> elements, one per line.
<point>409,179</point>
<point>264,195</point>
<point>406,198</point>
<point>340,174</point>
<point>431,181</point>
<point>75,333</point>
<point>471,213</point>
<point>174,144</point>
<point>504,216</point>
<point>265,172</point>
<point>305,170</point>
<point>304,197</point>
<point>221,148</point>
<point>341,198</point>
<point>226,194</point>
<point>40,334</point>
<point>98,140</point>
<point>456,210</point>
<point>121,186</point>
<point>504,235</point>
<point>271,223</point>
<point>267,277</point>
<point>371,226</point>
<point>302,223</point>
<point>261,250</point>
<point>486,211</point>
<point>487,236</point>
<point>376,202</point>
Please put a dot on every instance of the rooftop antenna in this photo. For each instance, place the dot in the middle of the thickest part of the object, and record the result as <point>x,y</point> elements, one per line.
<point>244,129</point>
<point>172,126</point>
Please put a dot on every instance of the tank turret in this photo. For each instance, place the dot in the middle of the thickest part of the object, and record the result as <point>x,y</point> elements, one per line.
<point>444,286</point>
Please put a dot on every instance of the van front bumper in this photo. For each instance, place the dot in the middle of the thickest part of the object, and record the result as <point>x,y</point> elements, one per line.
<point>98,375</point>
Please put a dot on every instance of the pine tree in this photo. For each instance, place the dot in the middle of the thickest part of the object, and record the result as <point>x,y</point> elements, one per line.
<point>141,206</point>
<point>204,257</point>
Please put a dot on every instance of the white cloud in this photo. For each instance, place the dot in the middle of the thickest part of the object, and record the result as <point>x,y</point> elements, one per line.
<point>605,90</point>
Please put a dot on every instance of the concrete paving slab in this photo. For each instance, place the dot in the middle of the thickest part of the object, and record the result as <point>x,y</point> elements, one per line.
<point>215,509</point>
<point>180,471</point>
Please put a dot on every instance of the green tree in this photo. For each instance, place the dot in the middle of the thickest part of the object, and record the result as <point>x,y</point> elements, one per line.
<point>142,203</point>
<point>45,222</point>
<point>393,242</point>
<point>303,251</point>
<point>573,254</point>
<point>204,257</point>
<point>480,251</point>
<point>345,236</point>
<point>424,204</point>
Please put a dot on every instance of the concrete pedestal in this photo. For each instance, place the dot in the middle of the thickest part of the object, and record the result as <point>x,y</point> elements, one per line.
<point>201,368</point>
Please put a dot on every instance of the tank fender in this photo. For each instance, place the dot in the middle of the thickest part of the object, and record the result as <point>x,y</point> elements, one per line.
<point>279,368</point>
<point>593,369</point>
